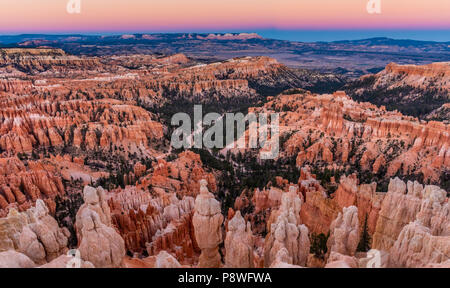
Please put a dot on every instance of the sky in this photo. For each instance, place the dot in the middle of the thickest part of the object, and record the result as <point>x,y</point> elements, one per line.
<point>268,16</point>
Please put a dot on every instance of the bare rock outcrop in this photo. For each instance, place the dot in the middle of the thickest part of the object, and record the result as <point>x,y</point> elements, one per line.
<point>207,227</point>
<point>404,203</point>
<point>374,259</point>
<point>14,259</point>
<point>417,247</point>
<point>165,260</point>
<point>10,229</point>
<point>344,232</point>
<point>287,233</point>
<point>100,244</point>
<point>42,240</point>
<point>337,260</point>
<point>68,261</point>
<point>239,243</point>
<point>363,196</point>
<point>94,200</point>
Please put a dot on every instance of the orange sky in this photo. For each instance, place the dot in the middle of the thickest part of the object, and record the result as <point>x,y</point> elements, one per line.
<point>173,15</point>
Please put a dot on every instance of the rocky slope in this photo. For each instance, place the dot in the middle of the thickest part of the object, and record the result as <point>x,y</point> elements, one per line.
<point>336,135</point>
<point>414,90</point>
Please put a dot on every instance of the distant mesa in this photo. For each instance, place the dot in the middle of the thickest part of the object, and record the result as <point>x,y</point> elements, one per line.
<point>231,36</point>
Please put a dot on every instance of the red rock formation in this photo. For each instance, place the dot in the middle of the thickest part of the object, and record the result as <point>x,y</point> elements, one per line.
<point>363,196</point>
<point>341,133</point>
<point>21,186</point>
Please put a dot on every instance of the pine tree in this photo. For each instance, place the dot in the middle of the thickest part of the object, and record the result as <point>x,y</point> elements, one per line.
<point>364,243</point>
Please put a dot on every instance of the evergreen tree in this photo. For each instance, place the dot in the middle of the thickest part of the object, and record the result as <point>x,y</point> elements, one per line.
<point>364,242</point>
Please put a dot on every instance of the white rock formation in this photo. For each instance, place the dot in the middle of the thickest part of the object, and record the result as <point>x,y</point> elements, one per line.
<point>375,259</point>
<point>207,222</point>
<point>95,200</point>
<point>239,243</point>
<point>344,232</point>
<point>165,260</point>
<point>14,259</point>
<point>66,261</point>
<point>287,233</point>
<point>42,240</point>
<point>100,244</point>
<point>417,247</point>
<point>337,260</point>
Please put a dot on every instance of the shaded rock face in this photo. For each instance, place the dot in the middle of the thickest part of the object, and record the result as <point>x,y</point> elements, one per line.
<point>406,87</point>
<point>14,259</point>
<point>363,196</point>
<point>318,210</point>
<point>65,261</point>
<point>94,200</point>
<point>154,224</point>
<point>406,202</point>
<point>416,246</point>
<point>344,232</point>
<point>42,240</point>
<point>287,233</point>
<point>207,222</point>
<point>239,243</point>
<point>100,244</point>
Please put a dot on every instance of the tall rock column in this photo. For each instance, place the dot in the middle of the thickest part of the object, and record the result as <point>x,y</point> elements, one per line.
<point>99,241</point>
<point>286,236</point>
<point>95,200</point>
<point>344,232</point>
<point>207,222</point>
<point>101,245</point>
<point>239,243</point>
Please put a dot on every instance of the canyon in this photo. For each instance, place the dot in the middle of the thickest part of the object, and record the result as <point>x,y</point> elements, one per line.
<point>88,176</point>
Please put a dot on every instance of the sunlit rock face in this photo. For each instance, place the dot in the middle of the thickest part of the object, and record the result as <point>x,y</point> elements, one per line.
<point>207,227</point>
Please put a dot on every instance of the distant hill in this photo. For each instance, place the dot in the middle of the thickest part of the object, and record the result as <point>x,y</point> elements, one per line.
<point>412,89</point>
<point>350,58</point>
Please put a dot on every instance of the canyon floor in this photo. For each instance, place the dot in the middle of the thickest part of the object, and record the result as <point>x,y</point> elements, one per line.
<point>87,171</point>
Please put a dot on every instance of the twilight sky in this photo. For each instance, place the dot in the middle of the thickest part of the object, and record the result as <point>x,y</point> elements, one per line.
<point>44,16</point>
